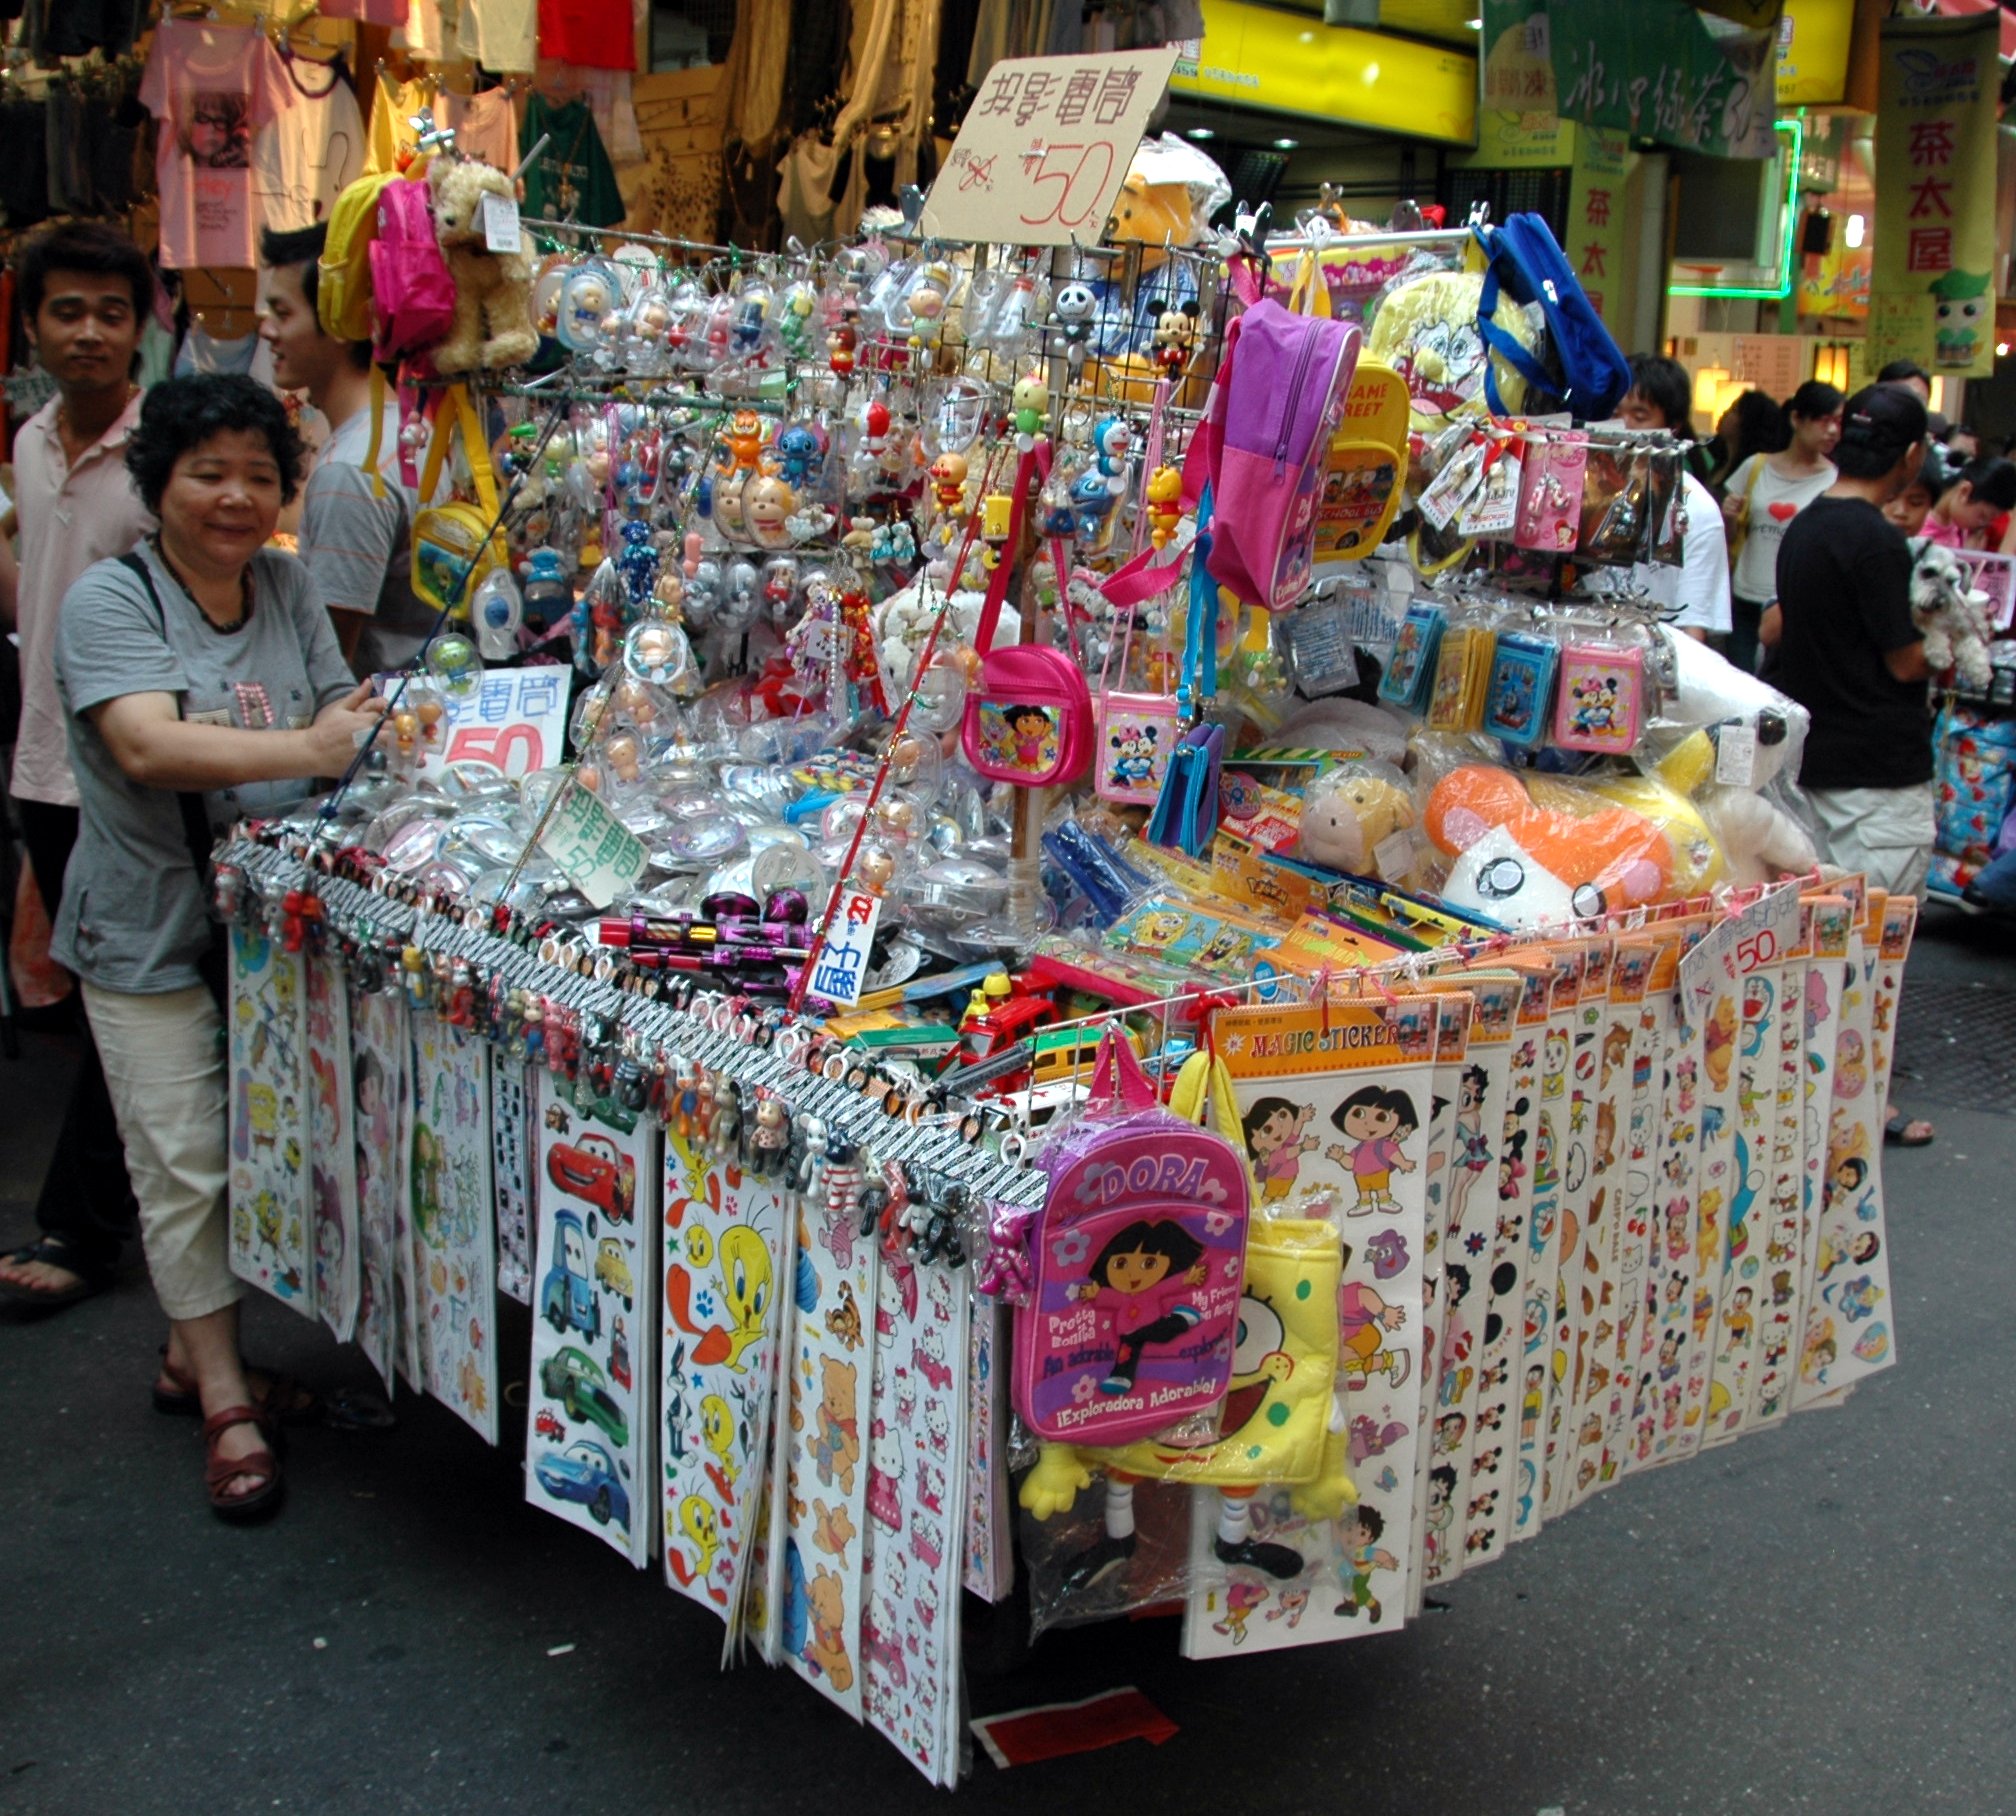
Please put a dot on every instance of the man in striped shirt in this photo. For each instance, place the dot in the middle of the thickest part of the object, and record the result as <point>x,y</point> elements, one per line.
<point>356,535</point>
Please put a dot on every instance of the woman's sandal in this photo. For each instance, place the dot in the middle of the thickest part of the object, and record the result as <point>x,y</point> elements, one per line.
<point>281,1391</point>
<point>220,1471</point>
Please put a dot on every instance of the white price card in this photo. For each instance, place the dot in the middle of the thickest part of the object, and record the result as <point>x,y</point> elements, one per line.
<point>600,855</point>
<point>842,964</point>
<point>500,223</point>
<point>1045,147</point>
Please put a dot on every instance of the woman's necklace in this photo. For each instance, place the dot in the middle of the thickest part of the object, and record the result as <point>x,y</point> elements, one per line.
<point>244,591</point>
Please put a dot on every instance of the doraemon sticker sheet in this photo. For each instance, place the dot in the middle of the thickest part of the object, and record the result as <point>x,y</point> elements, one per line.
<point>452,1207</point>
<point>270,1134</point>
<point>990,1557</point>
<point>916,1514</point>
<point>378,1066</point>
<point>831,1361</point>
<point>1850,1329</point>
<point>1781,1316</point>
<point>1365,1074</point>
<point>1586,1326</point>
<point>1477,1141</point>
<point>1817,1342</point>
<point>511,1171</point>
<point>725,1231</point>
<point>332,1148</point>
<point>590,1452</point>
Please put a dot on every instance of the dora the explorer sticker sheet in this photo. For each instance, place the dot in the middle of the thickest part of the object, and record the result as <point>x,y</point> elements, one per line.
<point>1349,1085</point>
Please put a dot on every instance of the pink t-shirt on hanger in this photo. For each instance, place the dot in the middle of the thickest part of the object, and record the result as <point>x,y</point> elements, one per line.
<point>211,88</point>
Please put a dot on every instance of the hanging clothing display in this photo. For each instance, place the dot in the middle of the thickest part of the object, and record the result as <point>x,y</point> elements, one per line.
<point>75,28</point>
<point>571,178</point>
<point>499,34</point>
<point>365,12</point>
<point>593,34</point>
<point>608,94</point>
<point>426,34</point>
<point>302,161</point>
<point>392,111</point>
<point>212,88</point>
<point>205,353</point>
<point>24,171</point>
<point>485,126</point>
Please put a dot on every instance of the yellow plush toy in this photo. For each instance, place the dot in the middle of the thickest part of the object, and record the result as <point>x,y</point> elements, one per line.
<point>1426,330</point>
<point>493,316</point>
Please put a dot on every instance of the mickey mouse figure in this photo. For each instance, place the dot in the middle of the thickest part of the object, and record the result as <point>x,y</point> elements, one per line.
<point>1176,338</point>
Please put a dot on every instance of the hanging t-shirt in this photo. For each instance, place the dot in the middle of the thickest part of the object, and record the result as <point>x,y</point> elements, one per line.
<point>424,35</point>
<point>366,12</point>
<point>591,33</point>
<point>392,111</point>
<point>485,127</point>
<point>571,178</point>
<point>1773,502</point>
<point>500,34</point>
<point>302,162</point>
<point>203,352</point>
<point>212,88</point>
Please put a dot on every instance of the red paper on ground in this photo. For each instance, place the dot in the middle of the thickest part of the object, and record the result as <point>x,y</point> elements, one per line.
<point>1023,1736</point>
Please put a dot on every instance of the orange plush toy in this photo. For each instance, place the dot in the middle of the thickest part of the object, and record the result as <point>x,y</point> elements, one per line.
<point>1522,863</point>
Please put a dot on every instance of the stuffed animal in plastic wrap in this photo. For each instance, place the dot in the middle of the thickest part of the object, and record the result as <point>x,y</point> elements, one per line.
<point>1336,723</point>
<point>1953,614</point>
<point>493,315</point>
<point>1171,191</point>
<point>1425,329</point>
<point>1348,815</point>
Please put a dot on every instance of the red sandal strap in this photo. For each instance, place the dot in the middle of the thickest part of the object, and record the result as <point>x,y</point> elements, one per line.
<point>230,1416</point>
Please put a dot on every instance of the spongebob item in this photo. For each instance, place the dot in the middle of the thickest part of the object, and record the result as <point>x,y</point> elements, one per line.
<point>1426,332</point>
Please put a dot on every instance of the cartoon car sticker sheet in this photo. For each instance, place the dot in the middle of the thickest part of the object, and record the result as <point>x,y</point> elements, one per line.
<point>725,1231</point>
<point>831,1361</point>
<point>1466,1248</point>
<point>915,1515</point>
<point>511,1172</point>
<point>378,1067</point>
<point>590,1454</point>
<point>990,1558</point>
<point>1367,1074</point>
<point>332,1166</point>
<point>451,1208</point>
<point>270,1197</point>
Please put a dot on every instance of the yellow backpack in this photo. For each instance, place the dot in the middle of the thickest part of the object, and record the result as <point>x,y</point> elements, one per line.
<point>343,274</point>
<point>451,552</point>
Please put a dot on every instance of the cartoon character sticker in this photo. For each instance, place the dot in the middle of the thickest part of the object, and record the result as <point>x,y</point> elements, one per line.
<point>270,1190</point>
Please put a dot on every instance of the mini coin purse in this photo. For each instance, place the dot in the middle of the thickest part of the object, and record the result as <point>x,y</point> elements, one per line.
<point>1520,695</point>
<point>1601,706</point>
<point>1411,671</point>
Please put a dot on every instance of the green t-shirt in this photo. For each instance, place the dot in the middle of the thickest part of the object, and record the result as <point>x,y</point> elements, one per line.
<point>571,179</point>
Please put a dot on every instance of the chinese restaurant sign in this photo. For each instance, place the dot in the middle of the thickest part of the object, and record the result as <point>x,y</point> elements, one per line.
<point>1932,295</point>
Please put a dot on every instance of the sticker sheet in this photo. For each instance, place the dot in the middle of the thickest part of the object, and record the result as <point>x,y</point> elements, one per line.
<point>990,1552</point>
<point>1367,1074</point>
<point>270,1135</point>
<point>590,1454</point>
<point>1715,988</point>
<point>1781,1312</point>
<point>916,1514</point>
<point>511,1172</point>
<point>725,1231</point>
<point>831,1359</point>
<point>1819,1343</point>
<point>1470,1228</point>
<point>331,1151</point>
<point>454,1234</point>
<point>378,1067</point>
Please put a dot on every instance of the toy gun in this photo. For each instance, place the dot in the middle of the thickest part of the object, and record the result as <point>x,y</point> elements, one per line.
<point>726,920</point>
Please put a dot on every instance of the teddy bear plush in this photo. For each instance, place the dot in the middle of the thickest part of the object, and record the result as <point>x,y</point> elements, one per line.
<point>1349,812</point>
<point>493,315</point>
<point>1952,614</point>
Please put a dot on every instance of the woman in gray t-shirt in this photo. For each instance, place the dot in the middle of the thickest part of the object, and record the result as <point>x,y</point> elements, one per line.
<point>201,668</point>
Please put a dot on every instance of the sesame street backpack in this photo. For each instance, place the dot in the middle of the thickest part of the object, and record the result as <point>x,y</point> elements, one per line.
<point>1138,1262</point>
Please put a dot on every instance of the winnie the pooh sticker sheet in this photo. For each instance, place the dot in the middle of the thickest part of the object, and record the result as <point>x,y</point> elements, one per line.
<point>270,1136</point>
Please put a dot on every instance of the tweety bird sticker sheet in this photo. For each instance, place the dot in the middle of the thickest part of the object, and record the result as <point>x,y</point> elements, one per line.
<point>378,1065</point>
<point>332,1174</point>
<point>451,1206</point>
<point>725,1231</point>
<point>511,1171</point>
<point>590,1454</point>
<point>1347,1090</point>
<point>270,1136</point>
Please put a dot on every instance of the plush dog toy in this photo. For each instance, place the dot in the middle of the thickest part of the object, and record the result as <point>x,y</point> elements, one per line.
<point>1349,812</point>
<point>1952,614</point>
<point>493,315</point>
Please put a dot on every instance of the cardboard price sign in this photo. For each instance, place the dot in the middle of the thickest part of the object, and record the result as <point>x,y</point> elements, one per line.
<point>600,855</point>
<point>515,720</point>
<point>843,956</point>
<point>1045,147</point>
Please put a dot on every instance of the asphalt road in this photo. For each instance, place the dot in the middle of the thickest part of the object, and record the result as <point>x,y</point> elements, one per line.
<point>1815,1619</point>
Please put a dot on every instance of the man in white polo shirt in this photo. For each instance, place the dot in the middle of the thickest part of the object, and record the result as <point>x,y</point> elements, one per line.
<point>85,292</point>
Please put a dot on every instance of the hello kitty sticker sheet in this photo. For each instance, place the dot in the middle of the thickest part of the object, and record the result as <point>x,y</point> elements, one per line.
<point>270,1200</point>
<point>831,1358</point>
<point>591,1453</point>
<point>451,1206</point>
<point>378,1067</point>
<point>511,1171</point>
<point>990,1557</point>
<point>332,1167</point>
<point>725,1231</point>
<point>916,1514</point>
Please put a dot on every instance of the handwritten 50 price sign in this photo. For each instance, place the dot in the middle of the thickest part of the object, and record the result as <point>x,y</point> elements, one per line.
<point>515,720</point>
<point>1045,148</point>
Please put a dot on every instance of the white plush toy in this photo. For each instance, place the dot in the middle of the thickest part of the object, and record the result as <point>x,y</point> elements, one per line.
<point>1952,614</point>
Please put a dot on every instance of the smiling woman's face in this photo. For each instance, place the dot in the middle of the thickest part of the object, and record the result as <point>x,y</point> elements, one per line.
<point>222,501</point>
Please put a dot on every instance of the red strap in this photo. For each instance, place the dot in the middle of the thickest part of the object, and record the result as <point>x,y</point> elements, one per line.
<point>1201,458</point>
<point>1036,462</point>
<point>1118,1080</point>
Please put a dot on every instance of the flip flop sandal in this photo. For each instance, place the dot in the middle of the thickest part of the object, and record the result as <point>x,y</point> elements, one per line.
<point>220,1470</point>
<point>1897,1131</point>
<point>24,1302</point>
<point>183,1401</point>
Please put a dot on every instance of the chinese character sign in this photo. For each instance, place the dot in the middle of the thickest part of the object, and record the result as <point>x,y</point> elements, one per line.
<point>515,720</point>
<point>1598,240</point>
<point>1045,147</point>
<point>1685,78</point>
<point>1932,293</point>
<point>843,954</point>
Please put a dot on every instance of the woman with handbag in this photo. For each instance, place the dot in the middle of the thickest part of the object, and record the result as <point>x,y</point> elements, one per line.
<point>1764,494</point>
<point>202,682</point>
